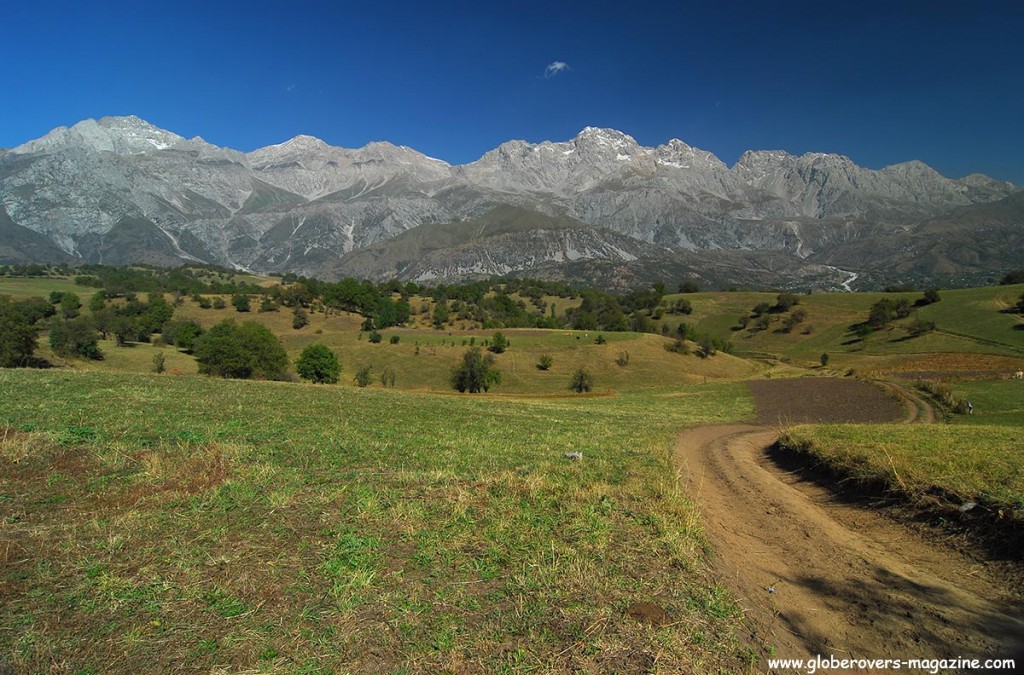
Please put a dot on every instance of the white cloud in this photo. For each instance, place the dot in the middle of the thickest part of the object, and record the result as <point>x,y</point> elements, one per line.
<point>290,88</point>
<point>554,68</point>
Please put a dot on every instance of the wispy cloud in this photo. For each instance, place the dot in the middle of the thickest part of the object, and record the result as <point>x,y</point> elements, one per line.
<point>554,68</point>
<point>290,88</point>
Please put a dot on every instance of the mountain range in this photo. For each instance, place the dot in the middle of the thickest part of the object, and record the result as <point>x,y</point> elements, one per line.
<point>598,208</point>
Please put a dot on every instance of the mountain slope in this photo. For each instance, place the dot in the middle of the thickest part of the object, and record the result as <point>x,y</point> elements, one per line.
<point>122,189</point>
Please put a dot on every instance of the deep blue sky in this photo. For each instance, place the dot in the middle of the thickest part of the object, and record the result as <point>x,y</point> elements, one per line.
<point>881,82</point>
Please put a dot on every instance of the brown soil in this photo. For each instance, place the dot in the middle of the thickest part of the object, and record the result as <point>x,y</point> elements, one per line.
<point>822,399</point>
<point>816,574</point>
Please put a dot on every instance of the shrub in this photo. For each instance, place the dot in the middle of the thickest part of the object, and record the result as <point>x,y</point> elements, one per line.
<point>362,378</point>
<point>785,301</point>
<point>218,303</point>
<point>240,302</point>
<point>919,327</point>
<point>600,339</point>
<point>158,362</point>
<point>387,377</point>
<point>375,337</point>
<point>622,359</point>
<point>678,347</point>
<point>395,339</point>
<point>689,287</point>
<point>268,305</point>
<point>476,373</point>
<point>300,319</point>
<point>545,362</point>
<point>498,343</point>
<point>582,381</point>
<point>824,360</point>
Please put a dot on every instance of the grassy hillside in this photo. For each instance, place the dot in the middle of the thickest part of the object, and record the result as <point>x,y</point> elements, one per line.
<point>155,521</point>
<point>968,321</point>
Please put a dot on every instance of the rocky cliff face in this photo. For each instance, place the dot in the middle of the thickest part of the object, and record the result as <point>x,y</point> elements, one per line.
<point>121,190</point>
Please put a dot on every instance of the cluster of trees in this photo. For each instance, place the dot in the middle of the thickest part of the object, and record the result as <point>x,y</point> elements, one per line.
<point>184,280</point>
<point>887,310</point>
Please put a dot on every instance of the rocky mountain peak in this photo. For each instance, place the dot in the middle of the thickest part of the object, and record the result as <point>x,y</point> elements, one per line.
<point>120,135</point>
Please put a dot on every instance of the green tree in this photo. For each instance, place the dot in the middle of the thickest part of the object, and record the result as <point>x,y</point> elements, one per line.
<point>17,337</point>
<point>318,364</point>
<point>249,350</point>
<point>76,337</point>
<point>582,381</point>
<point>98,301</point>
<point>476,373</point>
<point>183,334</point>
<point>69,305</point>
<point>300,319</point>
<point>441,314</point>
<point>158,362</point>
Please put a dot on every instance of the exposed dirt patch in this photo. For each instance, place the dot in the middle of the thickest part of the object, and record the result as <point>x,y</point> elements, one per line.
<point>816,574</point>
<point>822,399</point>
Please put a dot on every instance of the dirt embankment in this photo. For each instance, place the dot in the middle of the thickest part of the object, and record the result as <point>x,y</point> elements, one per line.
<point>817,575</point>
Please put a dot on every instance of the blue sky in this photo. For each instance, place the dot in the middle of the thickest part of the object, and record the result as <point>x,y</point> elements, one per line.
<point>881,82</point>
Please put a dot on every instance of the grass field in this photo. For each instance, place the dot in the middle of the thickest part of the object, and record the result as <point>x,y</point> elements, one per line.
<point>154,522</point>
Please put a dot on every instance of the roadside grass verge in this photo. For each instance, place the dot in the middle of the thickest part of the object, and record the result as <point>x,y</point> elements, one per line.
<point>154,523</point>
<point>936,466</point>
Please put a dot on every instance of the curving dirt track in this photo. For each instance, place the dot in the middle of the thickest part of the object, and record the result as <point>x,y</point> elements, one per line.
<point>818,576</point>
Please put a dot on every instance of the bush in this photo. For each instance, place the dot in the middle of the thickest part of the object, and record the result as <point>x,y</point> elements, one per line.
<point>582,381</point>
<point>387,377</point>
<point>318,364</point>
<point>375,337</point>
<point>476,373</point>
<point>158,362</point>
<point>395,339</point>
<point>824,360</point>
<point>678,347</point>
<point>218,303</point>
<point>622,359</point>
<point>362,378</point>
<point>919,327</point>
<point>689,287</point>
<point>545,362</point>
<point>785,301</point>
<point>249,350</point>
<point>600,339</point>
<point>1014,277</point>
<point>268,305</point>
<point>240,302</point>
<point>299,318</point>
<point>498,343</point>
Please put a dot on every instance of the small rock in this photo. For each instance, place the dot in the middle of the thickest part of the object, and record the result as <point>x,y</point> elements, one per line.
<point>967,506</point>
<point>574,455</point>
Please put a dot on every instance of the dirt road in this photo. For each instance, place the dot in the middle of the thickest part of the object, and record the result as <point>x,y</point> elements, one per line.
<point>818,576</point>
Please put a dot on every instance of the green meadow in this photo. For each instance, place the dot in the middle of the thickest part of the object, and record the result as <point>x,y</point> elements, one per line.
<point>151,522</point>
